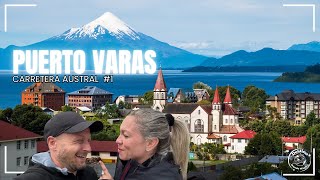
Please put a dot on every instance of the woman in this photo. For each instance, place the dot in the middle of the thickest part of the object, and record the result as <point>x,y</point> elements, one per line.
<point>153,146</point>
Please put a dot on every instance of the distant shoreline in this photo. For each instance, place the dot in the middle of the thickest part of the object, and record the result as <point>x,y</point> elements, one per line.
<point>282,68</point>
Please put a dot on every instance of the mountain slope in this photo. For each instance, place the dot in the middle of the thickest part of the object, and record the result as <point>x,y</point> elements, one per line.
<point>109,32</point>
<point>265,57</point>
<point>311,46</point>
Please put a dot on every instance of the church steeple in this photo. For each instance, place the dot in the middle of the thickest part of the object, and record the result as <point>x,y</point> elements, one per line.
<point>160,83</point>
<point>227,99</point>
<point>216,98</point>
<point>159,93</point>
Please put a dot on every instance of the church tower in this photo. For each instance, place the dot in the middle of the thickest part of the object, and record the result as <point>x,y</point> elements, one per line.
<point>227,99</point>
<point>216,112</point>
<point>159,93</point>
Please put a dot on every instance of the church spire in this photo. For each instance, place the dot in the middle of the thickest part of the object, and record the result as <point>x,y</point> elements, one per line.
<point>160,83</point>
<point>216,98</point>
<point>228,99</point>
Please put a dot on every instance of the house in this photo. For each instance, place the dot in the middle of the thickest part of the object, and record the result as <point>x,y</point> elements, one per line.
<point>89,96</point>
<point>44,95</point>
<point>83,109</point>
<point>295,106</point>
<point>202,94</point>
<point>106,150</point>
<point>270,176</point>
<point>19,145</point>
<point>48,111</point>
<point>131,99</point>
<point>294,142</point>
<point>241,140</point>
<point>190,97</point>
<point>273,159</point>
<point>175,95</point>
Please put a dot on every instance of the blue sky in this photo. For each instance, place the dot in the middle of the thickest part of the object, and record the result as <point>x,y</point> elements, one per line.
<point>210,27</point>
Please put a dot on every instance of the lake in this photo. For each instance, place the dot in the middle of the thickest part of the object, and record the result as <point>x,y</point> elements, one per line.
<point>10,92</point>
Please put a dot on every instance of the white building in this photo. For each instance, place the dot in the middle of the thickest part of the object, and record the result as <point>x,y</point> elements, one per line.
<point>131,99</point>
<point>294,142</point>
<point>214,123</point>
<point>20,145</point>
<point>240,141</point>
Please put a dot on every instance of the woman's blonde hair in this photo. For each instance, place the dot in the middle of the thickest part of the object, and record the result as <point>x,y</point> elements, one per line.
<point>153,123</point>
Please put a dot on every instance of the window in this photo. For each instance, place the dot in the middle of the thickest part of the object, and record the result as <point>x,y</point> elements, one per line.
<point>26,144</point>
<point>215,127</point>
<point>95,153</point>
<point>224,138</point>
<point>33,144</point>
<point>226,121</point>
<point>239,140</point>
<point>232,147</point>
<point>19,161</point>
<point>113,154</point>
<point>199,126</point>
<point>162,95</point>
<point>231,121</point>
<point>199,111</point>
<point>26,160</point>
<point>18,144</point>
<point>246,141</point>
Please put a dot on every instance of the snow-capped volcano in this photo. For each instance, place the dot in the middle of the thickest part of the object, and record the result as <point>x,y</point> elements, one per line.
<point>109,32</point>
<point>107,24</point>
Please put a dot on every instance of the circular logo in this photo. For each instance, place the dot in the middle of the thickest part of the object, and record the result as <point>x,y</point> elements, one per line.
<point>299,160</point>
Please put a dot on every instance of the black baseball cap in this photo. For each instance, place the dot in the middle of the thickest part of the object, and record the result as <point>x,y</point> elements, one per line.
<point>69,122</point>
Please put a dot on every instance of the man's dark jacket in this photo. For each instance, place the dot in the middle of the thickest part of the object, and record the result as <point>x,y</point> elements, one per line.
<point>38,171</point>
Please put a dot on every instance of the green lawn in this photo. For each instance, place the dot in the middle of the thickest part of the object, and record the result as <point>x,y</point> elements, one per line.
<point>198,163</point>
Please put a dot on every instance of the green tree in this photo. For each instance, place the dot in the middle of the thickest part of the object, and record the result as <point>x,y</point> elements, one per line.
<point>29,117</point>
<point>313,141</point>
<point>204,102</point>
<point>147,98</point>
<point>124,105</point>
<point>108,111</point>
<point>201,85</point>
<point>6,114</point>
<point>254,98</point>
<point>232,173</point>
<point>264,144</point>
<point>311,119</point>
<point>281,127</point>
<point>256,126</point>
<point>66,108</point>
<point>272,113</point>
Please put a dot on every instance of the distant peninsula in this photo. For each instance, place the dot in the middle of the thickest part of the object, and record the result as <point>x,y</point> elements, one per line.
<point>293,68</point>
<point>311,75</point>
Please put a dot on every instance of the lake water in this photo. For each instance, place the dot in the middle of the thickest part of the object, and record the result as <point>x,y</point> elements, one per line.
<point>10,92</point>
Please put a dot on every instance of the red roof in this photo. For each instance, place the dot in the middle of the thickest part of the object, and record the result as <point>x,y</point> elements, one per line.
<point>248,134</point>
<point>42,146</point>
<point>227,99</point>
<point>288,148</point>
<point>10,132</point>
<point>300,140</point>
<point>160,84</point>
<point>216,99</point>
<point>206,108</point>
<point>228,129</point>
<point>213,136</point>
<point>228,110</point>
<point>96,146</point>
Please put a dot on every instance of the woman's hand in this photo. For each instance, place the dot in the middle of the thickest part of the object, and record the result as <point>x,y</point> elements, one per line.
<point>105,175</point>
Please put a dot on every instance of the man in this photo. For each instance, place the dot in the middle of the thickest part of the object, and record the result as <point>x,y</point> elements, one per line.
<point>68,138</point>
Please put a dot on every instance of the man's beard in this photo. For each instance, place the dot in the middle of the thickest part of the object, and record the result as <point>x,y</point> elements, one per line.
<point>69,161</point>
